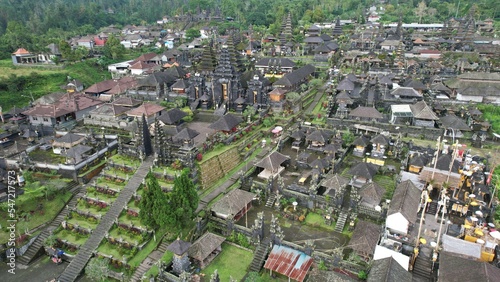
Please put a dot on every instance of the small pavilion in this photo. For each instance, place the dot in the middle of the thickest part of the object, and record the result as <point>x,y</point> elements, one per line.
<point>272,165</point>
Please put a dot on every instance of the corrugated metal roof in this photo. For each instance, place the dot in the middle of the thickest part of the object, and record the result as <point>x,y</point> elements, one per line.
<point>289,262</point>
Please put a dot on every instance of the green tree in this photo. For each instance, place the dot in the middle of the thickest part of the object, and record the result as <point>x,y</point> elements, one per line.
<point>348,138</point>
<point>113,49</point>
<point>154,204</point>
<point>65,50</point>
<point>97,269</point>
<point>192,33</point>
<point>183,199</point>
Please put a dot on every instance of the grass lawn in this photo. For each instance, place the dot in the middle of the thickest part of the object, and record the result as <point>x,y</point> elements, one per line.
<point>25,204</point>
<point>91,209</point>
<point>215,152</point>
<point>82,223</point>
<point>167,257</point>
<point>315,219</point>
<point>167,169</point>
<point>72,237</point>
<point>121,159</point>
<point>46,156</point>
<point>111,250</point>
<point>7,68</point>
<point>387,182</point>
<point>232,261</point>
<point>119,173</point>
<point>102,197</point>
<point>111,184</point>
<point>130,220</point>
<point>150,246</point>
<point>126,236</point>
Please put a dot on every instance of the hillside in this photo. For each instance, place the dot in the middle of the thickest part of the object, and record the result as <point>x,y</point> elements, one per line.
<point>17,84</point>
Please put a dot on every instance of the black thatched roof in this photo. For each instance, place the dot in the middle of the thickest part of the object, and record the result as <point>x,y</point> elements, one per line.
<point>421,110</point>
<point>346,84</point>
<point>233,202</point>
<point>295,77</point>
<point>172,116</point>
<point>416,84</point>
<point>444,161</point>
<point>179,247</point>
<point>366,170</point>
<point>319,164</point>
<point>185,135</point>
<point>176,71</point>
<point>205,245</point>
<point>334,181</point>
<point>366,112</point>
<point>365,238</point>
<point>157,78</point>
<point>318,136</point>
<point>226,122</point>
<point>388,270</point>
<point>372,194</point>
<point>298,134</point>
<point>29,133</point>
<point>380,139</point>
<point>273,161</point>
<point>361,141</point>
<point>180,84</point>
<point>452,121</point>
<point>456,268</point>
<point>405,200</point>
<point>419,160</point>
<point>331,148</point>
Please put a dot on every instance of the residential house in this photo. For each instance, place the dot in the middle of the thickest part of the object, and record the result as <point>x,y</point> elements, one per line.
<point>403,95</point>
<point>119,69</point>
<point>366,113</point>
<point>67,141</point>
<point>205,249</point>
<point>71,106</point>
<point>101,87</point>
<point>362,173</point>
<point>289,262</point>
<point>334,186</point>
<point>371,195</point>
<point>108,115</point>
<point>149,110</point>
<point>293,80</point>
<point>403,208</point>
<point>274,67</point>
<point>86,41</point>
<point>364,239</point>
<point>423,115</point>
<point>23,56</point>
<point>360,145</point>
<point>153,86</point>
<point>480,87</point>
<point>233,205</point>
<point>132,41</point>
<point>141,68</point>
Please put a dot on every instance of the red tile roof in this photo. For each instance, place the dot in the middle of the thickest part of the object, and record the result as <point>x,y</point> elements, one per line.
<point>147,109</point>
<point>289,262</point>
<point>21,51</point>
<point>101,87</point>
<point>69,103</point>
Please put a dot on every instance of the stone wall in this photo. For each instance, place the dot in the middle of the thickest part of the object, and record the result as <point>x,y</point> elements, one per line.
<point>210,172</point>
<point>410,131</point>
<point>217,167</point>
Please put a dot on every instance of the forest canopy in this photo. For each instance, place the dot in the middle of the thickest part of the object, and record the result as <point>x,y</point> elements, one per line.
<point>35,24</point>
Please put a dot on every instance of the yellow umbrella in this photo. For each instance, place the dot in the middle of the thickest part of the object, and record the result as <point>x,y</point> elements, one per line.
<point>479,232</point>
<point>423,241</point>
<point>467,226</point>
<point>474,204</point>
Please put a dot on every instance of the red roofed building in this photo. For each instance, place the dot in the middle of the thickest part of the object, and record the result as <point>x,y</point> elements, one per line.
<point>23,56</point>
<point>68,107</point>
<point>150,110</point>
<point>289,262</point>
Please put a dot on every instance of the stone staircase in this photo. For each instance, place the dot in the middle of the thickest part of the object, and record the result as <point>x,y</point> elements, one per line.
<point>36,249</point>
<point>147,263</point>
<point>339,227</point>
<point>432,208</point>
<point>86,251</point>
<point>270,200</point>
<point>423,267</point>
<point>260,255</point>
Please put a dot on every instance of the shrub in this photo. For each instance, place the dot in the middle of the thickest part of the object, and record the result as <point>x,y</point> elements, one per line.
<point>199,157</point>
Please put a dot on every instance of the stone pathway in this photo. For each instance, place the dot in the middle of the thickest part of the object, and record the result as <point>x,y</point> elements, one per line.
<point>84,254</point>
<point>152,259</point>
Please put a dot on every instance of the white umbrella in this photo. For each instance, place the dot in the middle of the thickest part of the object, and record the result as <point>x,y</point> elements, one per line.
<point>495,234</point>
<point>479,213</point>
